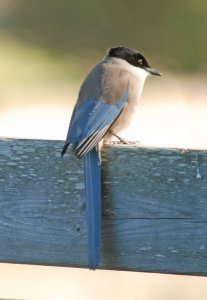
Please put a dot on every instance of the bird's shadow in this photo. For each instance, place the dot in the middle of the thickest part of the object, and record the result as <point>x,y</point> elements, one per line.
<point>108,242</point>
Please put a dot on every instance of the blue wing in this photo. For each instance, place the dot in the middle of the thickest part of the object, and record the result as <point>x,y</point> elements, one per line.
<point>90,121</point>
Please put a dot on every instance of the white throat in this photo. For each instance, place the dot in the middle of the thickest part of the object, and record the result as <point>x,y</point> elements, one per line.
<point>141,75</point>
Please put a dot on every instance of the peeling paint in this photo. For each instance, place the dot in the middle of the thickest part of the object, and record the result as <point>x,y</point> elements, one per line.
<point>80,186</point>
<point>11,164</point>
<point>160,255</point>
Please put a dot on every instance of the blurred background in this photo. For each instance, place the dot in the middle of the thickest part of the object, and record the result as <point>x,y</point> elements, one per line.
<point>46,49</point>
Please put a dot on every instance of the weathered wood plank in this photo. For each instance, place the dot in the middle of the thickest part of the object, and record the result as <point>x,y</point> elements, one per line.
<point>154,207</point>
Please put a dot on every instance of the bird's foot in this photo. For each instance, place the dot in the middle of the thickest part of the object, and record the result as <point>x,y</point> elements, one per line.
<point>123,141</point>
<point>127,142</point>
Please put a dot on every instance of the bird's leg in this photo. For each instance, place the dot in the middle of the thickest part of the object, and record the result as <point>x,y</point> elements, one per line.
<point>98,149</point>
<point>123,141</point>
<point>118,137</point>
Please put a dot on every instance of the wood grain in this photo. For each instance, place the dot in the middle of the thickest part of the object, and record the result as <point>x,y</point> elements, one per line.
<point>154,207</point>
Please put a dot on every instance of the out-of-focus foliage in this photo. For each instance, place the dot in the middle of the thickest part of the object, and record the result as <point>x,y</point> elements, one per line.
<point>172,33</point>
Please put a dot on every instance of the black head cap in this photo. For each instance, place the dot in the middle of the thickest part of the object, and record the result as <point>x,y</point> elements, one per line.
<point>133,57</point>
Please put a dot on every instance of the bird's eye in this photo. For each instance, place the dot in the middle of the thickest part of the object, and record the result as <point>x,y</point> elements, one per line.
<point>140,61</point>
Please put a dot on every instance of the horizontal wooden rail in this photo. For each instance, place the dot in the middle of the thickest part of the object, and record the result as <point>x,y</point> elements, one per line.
<point>154,207</point>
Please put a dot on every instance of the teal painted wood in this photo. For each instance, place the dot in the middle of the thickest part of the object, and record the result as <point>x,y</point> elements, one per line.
<point>154,207</point>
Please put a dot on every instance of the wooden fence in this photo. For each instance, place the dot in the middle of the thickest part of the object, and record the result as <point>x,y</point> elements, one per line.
<point>154,207</point>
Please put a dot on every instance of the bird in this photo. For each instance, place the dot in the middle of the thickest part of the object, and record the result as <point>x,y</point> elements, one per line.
<point>106,102</point>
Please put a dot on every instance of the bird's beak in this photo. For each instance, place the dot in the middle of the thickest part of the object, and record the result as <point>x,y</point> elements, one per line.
<point>153,71</point>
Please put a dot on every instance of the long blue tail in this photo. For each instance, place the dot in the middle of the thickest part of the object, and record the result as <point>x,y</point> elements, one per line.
<point>93,206</point>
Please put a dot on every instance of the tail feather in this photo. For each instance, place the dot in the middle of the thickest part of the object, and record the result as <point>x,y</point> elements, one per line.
<point>93,206</point>
<point>65,147</point>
